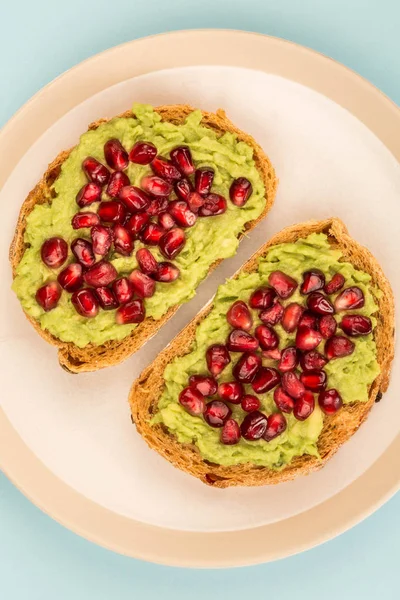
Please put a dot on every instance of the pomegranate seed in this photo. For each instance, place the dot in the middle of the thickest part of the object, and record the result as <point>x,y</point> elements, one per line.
<point>262,298</point>
<point>89,193</point>
<point>48,295</point>
<point>132,312</point>
<point>203,179</point>
<point>165,168</point>
<point>307,338</point>
<point>231,391</point>
<point>356,325</point>
<point>240,191</point>
<point>292,385</point>
<point>206,385</point>
<point>192,401</point>
<point>276,426</point>
<point>246,367</point>
<point>182,159</point>
<point>158,206</point>
<point>182,213</point>
<point>338,346</point>
<point>134,199</point>
<point>54,252</point>
<point>214,205</point>
<point>239,316</point>
<point>143,153</point>
<point>241,341</point>
<point>95,171</point>
<point>217,413</point>
<point>312,361</point>
<point>166,272</point>
<point>106,298</point>
<point>195,201</point>
<point>272,316</point>
<point>111,212</point>
<point>83,251</point>
<point>146,261</point>
<point>115,154</point>
<point>314,380</point>
<point>250,403</point>
<point>289,359</point>
<point>143,285</point>
<point>350,299</point>
<point>100,275</point>
<point>85,303</point>
<point>183,188</point>
<point>83,220</point>
<point>152,233</point>
<point>118,180</point>
<point>320,304</point>
<point>327,326</point>
<point>335,284</point>
<point>166,220</point>
<point>304,406</point>
<point>309,319</point>
<point>172,242</point>
<point>267,337</point>
<point>136,223</point>
<point>312,281</point>
<point>102,238</point>
<point>71,278</point>
<point>123,290</point>
<point>291,317</point>
<point>123,241</point>
<point>283,401</point>
<point>254,426</point>
<point>265,380</point>
<point>282,284</point>
<point>230,433</point>
<point>217,357</point>
<point>274,354</point>
<point>330,401</point>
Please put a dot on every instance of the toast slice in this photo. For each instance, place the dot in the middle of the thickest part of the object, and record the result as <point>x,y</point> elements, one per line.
<point>337,429</point>
<point>92,357</point>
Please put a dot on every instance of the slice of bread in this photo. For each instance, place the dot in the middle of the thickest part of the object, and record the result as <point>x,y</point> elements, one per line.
<point>337,429</point>
<point>92,357</point>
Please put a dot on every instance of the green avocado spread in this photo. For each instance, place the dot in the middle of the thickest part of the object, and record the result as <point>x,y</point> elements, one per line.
<point>208,240</point>
<point>351,375</point>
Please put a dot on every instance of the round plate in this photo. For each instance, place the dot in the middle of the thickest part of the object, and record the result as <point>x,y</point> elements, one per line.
<point>107,524</point>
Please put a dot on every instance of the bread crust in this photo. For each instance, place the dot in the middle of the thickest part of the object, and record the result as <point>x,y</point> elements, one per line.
<point>147,389</point>
<point>92,357</point>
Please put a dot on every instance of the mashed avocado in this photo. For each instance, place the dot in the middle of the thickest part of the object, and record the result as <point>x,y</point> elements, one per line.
<point>210,239</point>
<point>351,375</point>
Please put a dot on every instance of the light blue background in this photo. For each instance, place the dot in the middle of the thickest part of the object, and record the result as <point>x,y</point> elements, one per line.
<point>39,559</point>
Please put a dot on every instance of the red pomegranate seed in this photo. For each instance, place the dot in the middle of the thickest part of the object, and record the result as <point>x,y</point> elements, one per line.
<point>83,220</point>
<point>166,169</point>
<point>206,385</point>
<point>327,326</point>
<point>309,319</point>
<point>239,316</point>
<point>48,296</point>
<point>350,299</point>
<point>312,361</point>
<point>182,213</point>
<point>135,199</point>
<point>291,317</point>
<point>166,220</point>
<point>241,341</point>
<point>356,325</point>
<point>83,251</point>
<point>276,426</point>
<point>157,206</point>
<point>335,284</point>
<point>272,316</point>
<point>274,354</point>
<point>330,401</point>
<point>95,171</point>
<point>254,426</point>
<point>143,153</point>
<point>231,391</point>
<point>102,238</point>
<point>71,278</point>
<point>143,285</point>
<point>289,359</point>
<point>166,272</point>
<point>101,274</point>
<point>106,298</point>
<point>54,252</point>
<point>182,159</point>
<point>265,380</point>
<point>118,180</point>
<point>283,401</point>
<point>230,433</point>
<point>282,284</point>
<point>172,242</point>
<point>250,403</point>
<point>312,281</point>
<point>192,401</point>
<point>214,205</point>
<point>183,188</point>
<point>146,261</point>
<point>304,406</point>
<point>262,298</point>
<point>123,290</point>
<point>136,223</point>
<point>115,154</point>
<point>338,346</point>
<point>240,191</point>
<point>195,201</point>
<point>85,303</point>
<point>152,233</point>
<point>320,304</point>
<point>131,312</point>
<point>89,193</point>
<point>292,385</point>
<point>217,413</point>
<point>314,380</point>
<point>112,212</point>
<point>203,179</point>
<point>307,338</point>
<point>267,337</point>
<point>217,357</point>
<point>246,367</point>
<point>123,241</point>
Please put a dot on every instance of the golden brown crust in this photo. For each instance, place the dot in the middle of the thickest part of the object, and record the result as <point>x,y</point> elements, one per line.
<point>92,358</point>
<point>147,389</point>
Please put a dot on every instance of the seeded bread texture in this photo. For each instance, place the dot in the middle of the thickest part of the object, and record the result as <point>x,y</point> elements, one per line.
<point>92,357</point>
<point>337,429</point>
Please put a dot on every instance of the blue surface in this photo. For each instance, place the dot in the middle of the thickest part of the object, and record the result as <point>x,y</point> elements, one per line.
<point>39,559</point>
